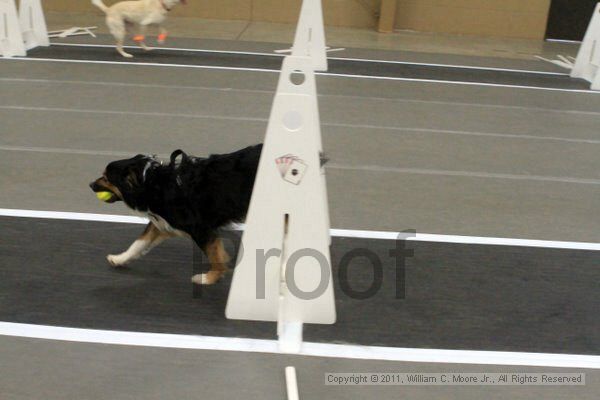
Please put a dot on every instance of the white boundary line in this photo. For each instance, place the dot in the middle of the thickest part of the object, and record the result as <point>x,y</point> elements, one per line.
<point>564,41</point>
<point>270,93</point>
<point>139,64</point>
<point>308,349</point>
<point>397,128</point>
<point>362,234</point>
<point>332,166</point>
<point>495,85</point>
<point>366,60</point>
<point>385,78</point>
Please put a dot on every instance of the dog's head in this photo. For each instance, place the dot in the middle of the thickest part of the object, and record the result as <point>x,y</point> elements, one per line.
<point>124,179</point>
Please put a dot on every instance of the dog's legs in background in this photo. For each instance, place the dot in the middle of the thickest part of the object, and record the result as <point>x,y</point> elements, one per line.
<point>141,37</point>
<point>162,34</point>
<point>149,239</point>
<point>116,26</point>
<point>218,258</point>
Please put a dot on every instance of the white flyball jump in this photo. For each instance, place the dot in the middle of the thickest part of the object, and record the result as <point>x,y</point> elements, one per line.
<point>11,39</point>
<point>23,31</point>
<point>33,24</point>
<point>587,64</point>
<point>283,272</point>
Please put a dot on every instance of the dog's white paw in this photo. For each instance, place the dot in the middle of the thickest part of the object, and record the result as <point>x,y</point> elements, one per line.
<point>204,279</point>
<point>116,260</point>
<point>124,54</point>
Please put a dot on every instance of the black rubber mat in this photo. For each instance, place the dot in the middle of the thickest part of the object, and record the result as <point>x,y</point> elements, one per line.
<point>350,67</point>
<point>456,296</point>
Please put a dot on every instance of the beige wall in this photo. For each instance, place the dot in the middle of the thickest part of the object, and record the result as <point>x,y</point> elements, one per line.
<point>350,13</point>
<point>507,18</point>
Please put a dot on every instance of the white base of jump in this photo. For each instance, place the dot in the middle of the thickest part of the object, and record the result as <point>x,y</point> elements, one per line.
<point>290,336</point>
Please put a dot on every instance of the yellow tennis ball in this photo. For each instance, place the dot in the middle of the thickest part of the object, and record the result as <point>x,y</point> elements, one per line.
<point>104,196</point>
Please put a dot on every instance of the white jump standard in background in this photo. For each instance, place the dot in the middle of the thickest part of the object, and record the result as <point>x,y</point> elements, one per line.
<point>23,31</point>
<point>33,24</point>
<point>587,64</point>
<point>11,39</point>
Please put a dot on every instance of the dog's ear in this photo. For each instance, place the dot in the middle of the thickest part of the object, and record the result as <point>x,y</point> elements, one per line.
<point>136,171</point>
<point>132,179</point>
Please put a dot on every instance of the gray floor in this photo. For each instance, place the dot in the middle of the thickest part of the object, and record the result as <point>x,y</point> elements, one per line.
<point>438,158</point>
<point>91,371</point>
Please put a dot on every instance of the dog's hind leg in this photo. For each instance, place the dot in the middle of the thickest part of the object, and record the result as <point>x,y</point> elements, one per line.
<point>151,238</point>
<point>116,26</point>
<point>122,52</point>
<point>218,258</point>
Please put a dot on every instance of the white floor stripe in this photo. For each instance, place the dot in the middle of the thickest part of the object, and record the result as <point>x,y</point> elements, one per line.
<point>334,124</point>
<point>270,93</point>
<point>139,64</point>
<point>59,150</point>
<point>563,41</point>
<point>72,216</point>
<point>365,60</point>
<point>347,233</point>
<point>385,78</point>
<point>142,85</point>
<point>309,349</point>
<point>112,46</point>
<point>140,113</point>
<point>467,174</point>
<point>462,133</point>
<point>338,166</point>
<point>446,82</point>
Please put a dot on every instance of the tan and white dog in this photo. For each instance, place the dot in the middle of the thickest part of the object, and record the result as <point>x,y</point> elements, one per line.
<point>142,13</point>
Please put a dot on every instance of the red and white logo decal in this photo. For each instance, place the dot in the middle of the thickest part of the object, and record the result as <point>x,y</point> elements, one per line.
<point>291,168</point>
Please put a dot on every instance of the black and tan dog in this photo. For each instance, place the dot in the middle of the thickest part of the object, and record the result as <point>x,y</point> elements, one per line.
<point>190,196</point>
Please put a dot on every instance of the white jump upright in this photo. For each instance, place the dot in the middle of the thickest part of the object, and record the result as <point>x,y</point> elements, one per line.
<point>283,272</point>
<point>11,40</point>
<point>310,35</point>
<point>587,64</point>
<point>33,24</point>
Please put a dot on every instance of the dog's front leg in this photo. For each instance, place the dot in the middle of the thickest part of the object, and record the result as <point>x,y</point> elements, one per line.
<point>218,258</point>
<point>151,237</point>
<point>141,37</point>
<point>162,34</point>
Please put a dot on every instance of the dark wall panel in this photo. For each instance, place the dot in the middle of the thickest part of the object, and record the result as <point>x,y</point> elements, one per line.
<point>569,19</point>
